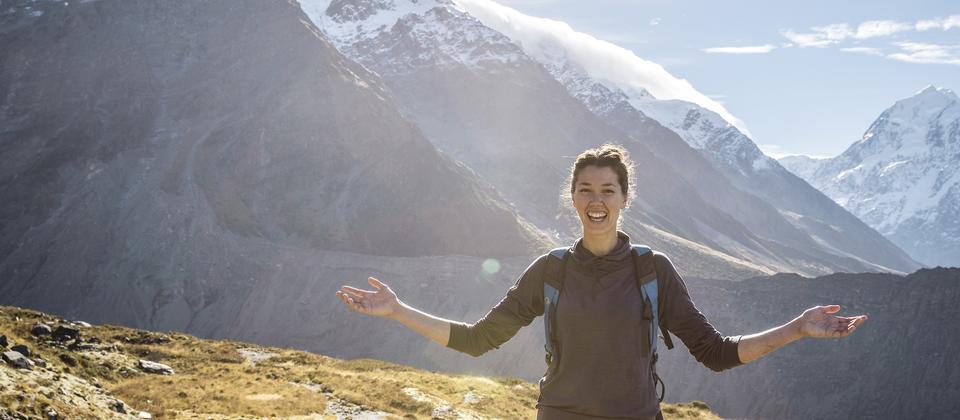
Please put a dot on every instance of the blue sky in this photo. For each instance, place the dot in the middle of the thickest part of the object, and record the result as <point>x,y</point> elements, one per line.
<point>824,73</point>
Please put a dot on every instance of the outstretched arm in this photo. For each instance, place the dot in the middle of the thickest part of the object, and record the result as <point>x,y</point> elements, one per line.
<point>523,303</point>
<point>817,322</point>
<point>384,302</point>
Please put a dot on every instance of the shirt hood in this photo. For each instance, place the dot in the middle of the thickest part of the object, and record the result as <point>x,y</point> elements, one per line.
<point>600,265</point>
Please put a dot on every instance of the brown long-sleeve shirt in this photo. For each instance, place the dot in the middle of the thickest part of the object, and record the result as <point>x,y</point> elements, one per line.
<point>601,372</point>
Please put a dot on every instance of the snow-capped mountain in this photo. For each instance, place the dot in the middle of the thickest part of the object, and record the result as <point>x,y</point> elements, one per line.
<point>620,99</point>
<point>510,114</point>
<point>903,176</point>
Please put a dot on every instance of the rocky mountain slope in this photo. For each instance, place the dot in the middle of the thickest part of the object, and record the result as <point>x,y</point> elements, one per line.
<point>109,372</point>
<point>480,97</point>
<point>162,183</point>
<point>903,176</point>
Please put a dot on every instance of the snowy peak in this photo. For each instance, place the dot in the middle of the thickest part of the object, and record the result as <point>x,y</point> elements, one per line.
<point>913,126</point>
<point>410,33</point>
<point>343,11</point>
<point>925,105</point>
<point>903,177</point>
<point>358,19</point>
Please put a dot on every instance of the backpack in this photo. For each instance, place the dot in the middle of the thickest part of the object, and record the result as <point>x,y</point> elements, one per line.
<point>647,280</point>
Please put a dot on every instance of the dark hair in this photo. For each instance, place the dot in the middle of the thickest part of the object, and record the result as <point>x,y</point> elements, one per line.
<point>607,155</point>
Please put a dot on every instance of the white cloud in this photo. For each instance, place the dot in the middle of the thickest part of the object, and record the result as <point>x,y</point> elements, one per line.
<point>777,151</point>
<point>835,31</point>
<point>756,49</point>
<point>821,37</point>
<point>877,28</point>
<point>825,36</point>
<point>654,21</point>
<point>863,50</point>
<point>917,52</point>
<point>550,40</point>
<point>945,23</point>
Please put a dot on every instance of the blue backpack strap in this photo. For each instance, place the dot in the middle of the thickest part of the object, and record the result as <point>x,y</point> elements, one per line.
<point>647,283</point>
<point>552,285</point>
<point>647,280</point>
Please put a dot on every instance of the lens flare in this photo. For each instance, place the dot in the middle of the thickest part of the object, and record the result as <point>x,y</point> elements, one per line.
<point>490,266</point>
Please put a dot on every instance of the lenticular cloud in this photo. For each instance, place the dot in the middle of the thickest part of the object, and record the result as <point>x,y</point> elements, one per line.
<point>551,41</point>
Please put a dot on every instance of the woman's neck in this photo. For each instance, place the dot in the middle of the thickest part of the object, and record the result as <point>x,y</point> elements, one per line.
<point>601,245</point>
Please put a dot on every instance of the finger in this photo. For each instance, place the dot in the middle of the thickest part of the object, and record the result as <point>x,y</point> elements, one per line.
<point>354,304</point>
<point>345,299</point>
<point>377,284</point>
<point>830,309</point>
<point>353,291</point>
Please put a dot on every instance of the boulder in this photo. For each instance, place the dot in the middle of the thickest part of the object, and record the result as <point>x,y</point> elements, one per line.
<point>40,330</point>
<point>79,345</point>
<point>154,367</point>
<point>66,332</point>
<point>3,342</point>
<point>119,407</point>
<point>17,360</point>
<point>22,349</point>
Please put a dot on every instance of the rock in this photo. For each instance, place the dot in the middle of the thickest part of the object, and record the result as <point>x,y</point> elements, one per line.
<point>144,415</point>
<point>65,332</point>
<point>17,360</point>
<point>81,324</point>
<point>41,329</point>
<point>52,415</point>
<point>119,407</point>
<point>154,367</point>
<point>39,362</point>
<point>3,342</point>
<point>22,349</point>
<point>80,345</point>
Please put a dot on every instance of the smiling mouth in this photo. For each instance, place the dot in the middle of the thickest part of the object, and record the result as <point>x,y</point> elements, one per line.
<point>597,216</point>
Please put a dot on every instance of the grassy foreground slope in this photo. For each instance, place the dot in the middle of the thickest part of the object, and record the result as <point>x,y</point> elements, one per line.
<point>99,376</point>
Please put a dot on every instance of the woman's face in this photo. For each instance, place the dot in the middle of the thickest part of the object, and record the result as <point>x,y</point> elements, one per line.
<point>598,200</point>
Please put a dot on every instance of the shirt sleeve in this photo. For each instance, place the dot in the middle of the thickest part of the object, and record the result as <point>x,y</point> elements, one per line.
<point>681,317</point>
<point>523,303</point>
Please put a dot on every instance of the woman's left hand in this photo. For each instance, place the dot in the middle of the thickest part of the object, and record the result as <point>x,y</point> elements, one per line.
<point>820,322</point>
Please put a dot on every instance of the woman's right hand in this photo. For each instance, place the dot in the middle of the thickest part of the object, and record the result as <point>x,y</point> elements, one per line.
<point>379,302</point>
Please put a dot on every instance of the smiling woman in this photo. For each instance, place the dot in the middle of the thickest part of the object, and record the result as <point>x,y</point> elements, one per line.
<point>604,299</point>
<point>600,188</point>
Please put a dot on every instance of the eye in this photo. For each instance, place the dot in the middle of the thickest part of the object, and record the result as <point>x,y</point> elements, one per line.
<point>608,192</point>
<point>584,190</point>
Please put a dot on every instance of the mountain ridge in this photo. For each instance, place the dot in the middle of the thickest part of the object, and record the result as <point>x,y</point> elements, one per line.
<point>473,108</point>
<point>901,177</point>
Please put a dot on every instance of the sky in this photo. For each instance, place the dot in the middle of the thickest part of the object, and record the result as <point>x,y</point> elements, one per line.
<point>802,77</point>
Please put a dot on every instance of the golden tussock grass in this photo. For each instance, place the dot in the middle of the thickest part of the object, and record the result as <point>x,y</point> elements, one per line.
<point>212,379</point>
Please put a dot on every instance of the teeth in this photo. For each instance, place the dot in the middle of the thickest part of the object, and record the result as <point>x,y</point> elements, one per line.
<point>596,216</point>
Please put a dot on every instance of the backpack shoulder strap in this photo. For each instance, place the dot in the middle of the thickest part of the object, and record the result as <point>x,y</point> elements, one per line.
<point>663,331</point>
<point>552,285</point>
<point>647,283</point>
<point>649,280</point>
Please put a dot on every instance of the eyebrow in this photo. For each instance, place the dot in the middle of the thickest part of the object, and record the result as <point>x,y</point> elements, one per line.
<point>588,184</point>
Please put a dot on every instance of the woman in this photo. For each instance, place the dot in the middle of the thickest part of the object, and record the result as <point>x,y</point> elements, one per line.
<point>599,315</point>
